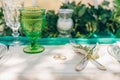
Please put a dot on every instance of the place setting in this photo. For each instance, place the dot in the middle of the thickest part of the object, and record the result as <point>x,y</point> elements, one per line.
<point>75,39</point>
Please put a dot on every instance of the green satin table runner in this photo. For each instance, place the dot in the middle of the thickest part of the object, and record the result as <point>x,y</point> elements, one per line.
<point>60,41</point>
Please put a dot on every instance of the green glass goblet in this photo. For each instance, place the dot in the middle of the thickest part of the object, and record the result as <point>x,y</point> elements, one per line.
<point>32,23</point>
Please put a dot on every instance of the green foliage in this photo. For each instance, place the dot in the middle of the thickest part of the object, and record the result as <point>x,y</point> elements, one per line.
<point>80,10</point>
<point>117,7</point>
<point>116,17</point>
<point>51,24</point>
<point>87,20</point>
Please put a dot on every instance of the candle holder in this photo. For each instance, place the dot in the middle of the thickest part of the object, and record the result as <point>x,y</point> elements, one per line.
<point>65,23</point>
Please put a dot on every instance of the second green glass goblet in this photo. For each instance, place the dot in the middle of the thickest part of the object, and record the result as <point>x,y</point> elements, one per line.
<point>32,23</point>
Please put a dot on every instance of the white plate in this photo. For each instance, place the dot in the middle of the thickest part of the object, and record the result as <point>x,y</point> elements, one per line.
<point>114,50</point>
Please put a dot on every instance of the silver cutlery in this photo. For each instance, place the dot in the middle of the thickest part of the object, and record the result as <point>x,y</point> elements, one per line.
<point>87,52</point>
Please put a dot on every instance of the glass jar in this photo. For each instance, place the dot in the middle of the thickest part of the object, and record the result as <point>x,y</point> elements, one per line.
<point>65,23</point>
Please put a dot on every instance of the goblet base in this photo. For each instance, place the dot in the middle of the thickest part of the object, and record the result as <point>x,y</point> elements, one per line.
<point>28,50</point>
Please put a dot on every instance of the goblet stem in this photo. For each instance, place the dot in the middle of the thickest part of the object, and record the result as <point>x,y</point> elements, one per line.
<point>15,34</point>
<point>33,45</point>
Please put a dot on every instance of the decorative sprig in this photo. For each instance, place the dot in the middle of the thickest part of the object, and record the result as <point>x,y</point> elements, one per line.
<point>78,48</point>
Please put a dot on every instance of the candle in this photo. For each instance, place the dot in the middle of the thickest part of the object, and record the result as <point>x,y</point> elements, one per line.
<point>65,24</point>
<point>96,4</point>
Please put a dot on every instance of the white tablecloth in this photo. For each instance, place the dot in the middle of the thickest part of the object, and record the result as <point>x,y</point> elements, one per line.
<point>22,66</point>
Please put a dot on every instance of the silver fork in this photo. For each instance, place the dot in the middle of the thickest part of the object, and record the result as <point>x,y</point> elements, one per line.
<point>82,64</point>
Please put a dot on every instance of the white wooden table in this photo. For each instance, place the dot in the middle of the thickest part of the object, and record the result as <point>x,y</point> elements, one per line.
<point>22,66</point>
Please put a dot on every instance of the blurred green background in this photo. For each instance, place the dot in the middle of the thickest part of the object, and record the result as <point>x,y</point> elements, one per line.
<point>89,22</point>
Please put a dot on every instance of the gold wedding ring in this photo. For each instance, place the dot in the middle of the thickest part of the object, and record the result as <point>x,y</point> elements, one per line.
<point>59,57</point>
